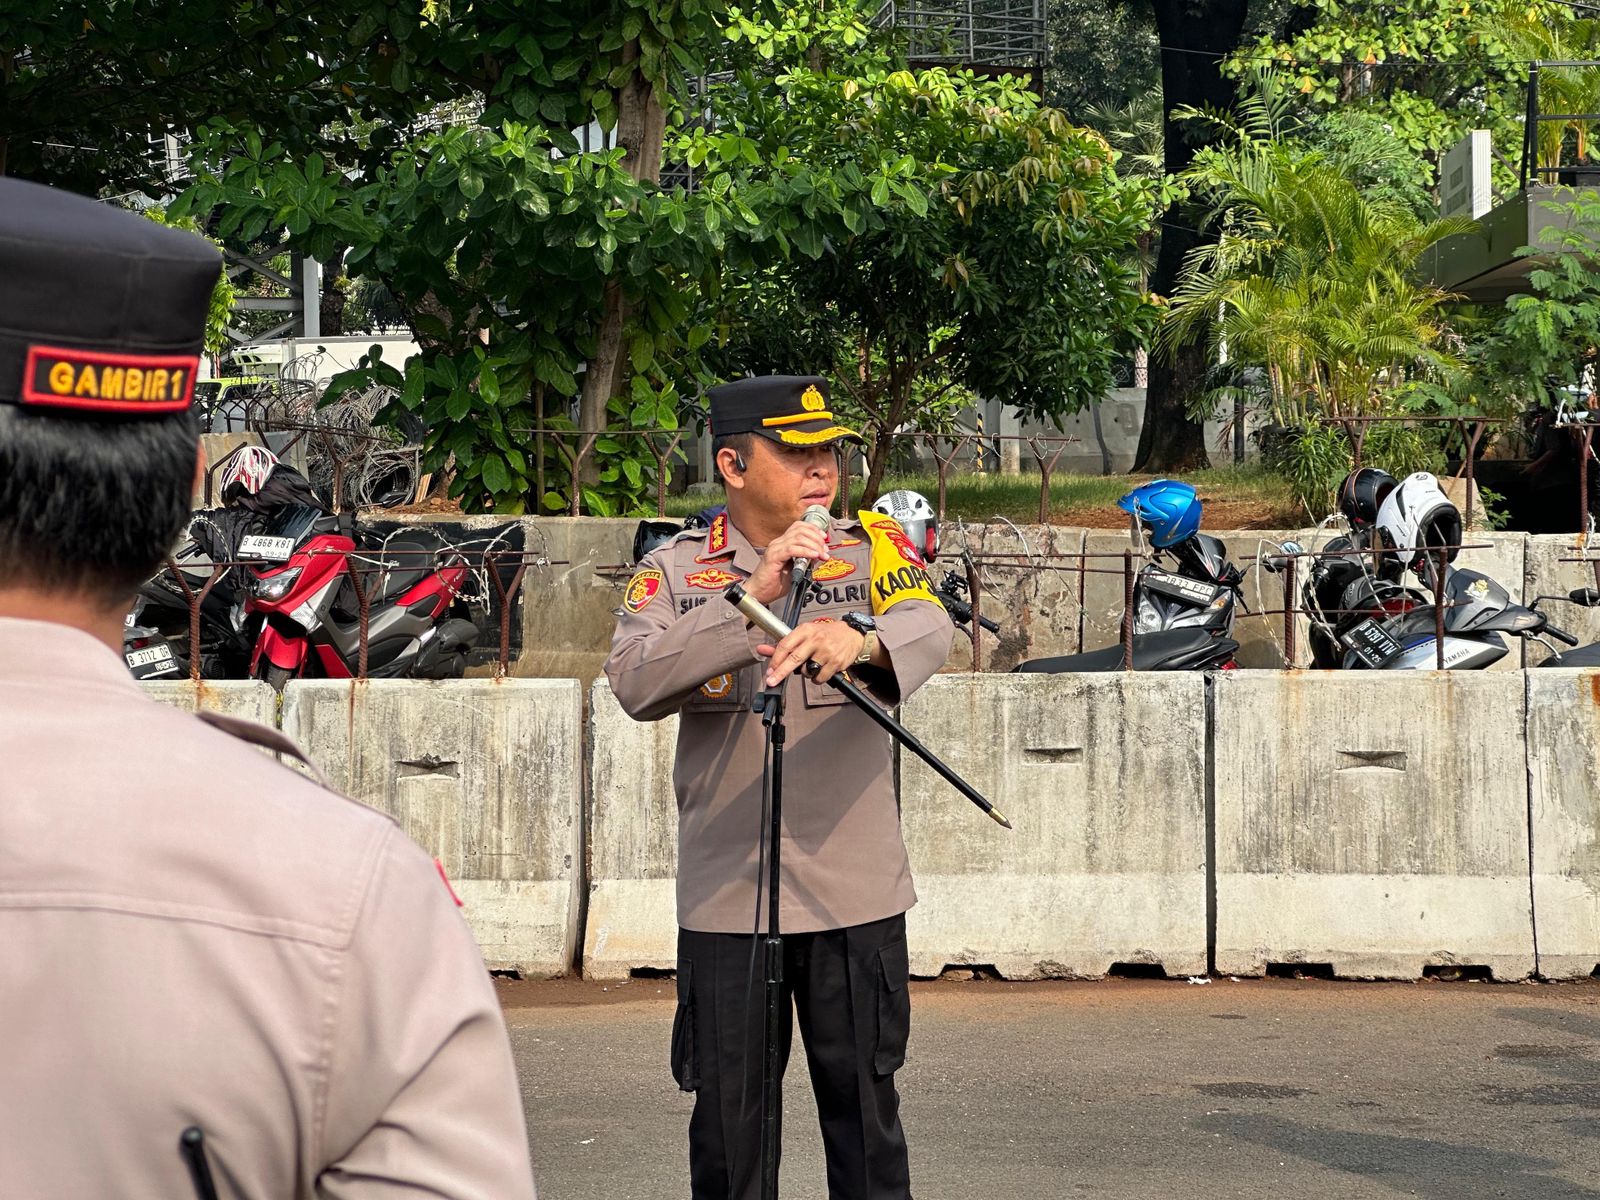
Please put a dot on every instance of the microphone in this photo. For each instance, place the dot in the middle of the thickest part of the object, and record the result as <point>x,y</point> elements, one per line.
<point>818,518</point>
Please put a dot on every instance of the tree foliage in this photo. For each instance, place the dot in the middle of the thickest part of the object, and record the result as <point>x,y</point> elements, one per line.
<point>921,231</point>
<point>546,284</point>
<point>1312,279</point>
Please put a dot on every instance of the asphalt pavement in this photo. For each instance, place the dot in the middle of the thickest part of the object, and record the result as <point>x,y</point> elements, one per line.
<point>1122,1088</point>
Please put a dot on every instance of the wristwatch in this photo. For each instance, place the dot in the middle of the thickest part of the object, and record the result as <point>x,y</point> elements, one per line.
<point>868,629</point>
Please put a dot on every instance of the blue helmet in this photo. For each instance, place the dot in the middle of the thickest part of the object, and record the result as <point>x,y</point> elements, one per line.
<point>1169,510</point>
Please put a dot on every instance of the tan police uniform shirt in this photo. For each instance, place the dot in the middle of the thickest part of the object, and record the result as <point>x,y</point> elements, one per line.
<point>193,934</point>
<point>684,649</point>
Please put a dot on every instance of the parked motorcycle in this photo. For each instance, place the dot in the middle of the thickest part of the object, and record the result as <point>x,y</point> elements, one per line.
<point>1364,612</point>
<point>310,604</point>
<point>1184,602</point>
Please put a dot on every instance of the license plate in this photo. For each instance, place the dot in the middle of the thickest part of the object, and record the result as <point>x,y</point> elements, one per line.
<point>270,549</point>
<point>1191,591</point>
<point>151,660</point>
<point>1371,643</point>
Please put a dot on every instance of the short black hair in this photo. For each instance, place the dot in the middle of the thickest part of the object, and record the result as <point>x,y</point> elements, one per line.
<point>742,444</point>
<point>90,506</point>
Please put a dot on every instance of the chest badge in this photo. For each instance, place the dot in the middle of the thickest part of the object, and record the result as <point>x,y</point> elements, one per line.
<point>832,569</point>
<point>711,578</point>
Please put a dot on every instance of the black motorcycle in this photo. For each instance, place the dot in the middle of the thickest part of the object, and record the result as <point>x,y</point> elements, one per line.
<point>1183,615</point>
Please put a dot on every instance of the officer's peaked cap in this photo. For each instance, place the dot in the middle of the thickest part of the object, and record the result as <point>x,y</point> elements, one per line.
<point>792,409</point>
<point>102,311</point>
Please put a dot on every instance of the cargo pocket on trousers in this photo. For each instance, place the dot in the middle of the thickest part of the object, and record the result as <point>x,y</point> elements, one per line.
<point>685,1063</point>
<point>894,1008</point>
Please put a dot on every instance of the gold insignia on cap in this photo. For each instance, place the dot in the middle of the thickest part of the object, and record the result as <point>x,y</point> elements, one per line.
<point>811,400</point>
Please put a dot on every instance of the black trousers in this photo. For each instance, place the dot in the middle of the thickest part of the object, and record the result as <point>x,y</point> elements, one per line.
<point>848,987</point>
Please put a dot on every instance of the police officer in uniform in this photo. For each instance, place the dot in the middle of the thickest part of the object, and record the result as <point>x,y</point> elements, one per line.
<point>680,648</point>
<point>192,933</point>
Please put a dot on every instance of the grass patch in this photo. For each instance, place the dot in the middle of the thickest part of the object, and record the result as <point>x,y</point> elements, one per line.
<point>1247,497</point>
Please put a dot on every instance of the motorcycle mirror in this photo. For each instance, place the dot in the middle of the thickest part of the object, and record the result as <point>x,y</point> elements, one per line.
<point>1587,597</point>
<point>1293,548</point>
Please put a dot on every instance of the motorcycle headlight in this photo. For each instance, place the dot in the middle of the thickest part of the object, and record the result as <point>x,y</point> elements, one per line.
<point>275,587</point>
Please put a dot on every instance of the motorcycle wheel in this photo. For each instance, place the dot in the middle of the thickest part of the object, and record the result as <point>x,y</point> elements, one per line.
<point>277,677</point>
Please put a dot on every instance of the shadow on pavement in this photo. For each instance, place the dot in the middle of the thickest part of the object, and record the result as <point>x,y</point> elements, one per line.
<point>1417,1166</point>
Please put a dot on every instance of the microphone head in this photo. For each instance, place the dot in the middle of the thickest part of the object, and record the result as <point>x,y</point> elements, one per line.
<point>818,516</point>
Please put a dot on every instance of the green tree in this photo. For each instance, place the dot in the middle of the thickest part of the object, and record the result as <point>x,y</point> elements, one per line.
<point>1546,337</point>
<point>85,87</point>
<point>1195,36</point>
<point>1430,72</point>
<point>920,232</point>
<point>547,284</point>
<point>1311,278</point>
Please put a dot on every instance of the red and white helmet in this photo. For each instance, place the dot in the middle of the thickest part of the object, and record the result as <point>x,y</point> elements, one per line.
<point>248,467</point>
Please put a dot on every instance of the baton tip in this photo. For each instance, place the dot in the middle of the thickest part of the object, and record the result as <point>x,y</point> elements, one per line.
<point>999,818</point>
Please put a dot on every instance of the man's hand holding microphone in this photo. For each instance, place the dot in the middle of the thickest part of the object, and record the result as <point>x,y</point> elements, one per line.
<point>832,645</point>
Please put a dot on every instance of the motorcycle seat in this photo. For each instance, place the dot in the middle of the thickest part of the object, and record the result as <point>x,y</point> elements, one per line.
<point>1582,656</point>
<point>1167,650</point>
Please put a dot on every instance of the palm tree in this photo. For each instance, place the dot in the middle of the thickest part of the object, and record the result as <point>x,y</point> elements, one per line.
<point>1311,279</point>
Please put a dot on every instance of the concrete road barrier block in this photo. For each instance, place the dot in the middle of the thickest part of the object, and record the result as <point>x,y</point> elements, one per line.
<point>1374,822</point>
<point>1038,604</point>
<point>248,699</point>
<point>1564,783</point>
<point>632,842</point>
<point>1103,777</point>
<point>486,775</point>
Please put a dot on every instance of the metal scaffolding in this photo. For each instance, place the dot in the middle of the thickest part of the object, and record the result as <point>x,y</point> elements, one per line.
<point>989,36</point>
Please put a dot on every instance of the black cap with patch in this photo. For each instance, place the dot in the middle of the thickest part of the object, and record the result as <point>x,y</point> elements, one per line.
<point>792,409</point>
<point>102,311</point>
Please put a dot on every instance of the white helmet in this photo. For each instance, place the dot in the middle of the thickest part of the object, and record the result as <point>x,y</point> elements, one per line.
<point>247,467</point>
<point>916,517</point>
<point>1417,517</point>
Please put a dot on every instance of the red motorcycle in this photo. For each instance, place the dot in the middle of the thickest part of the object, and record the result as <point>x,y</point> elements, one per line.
<point>310,604</point>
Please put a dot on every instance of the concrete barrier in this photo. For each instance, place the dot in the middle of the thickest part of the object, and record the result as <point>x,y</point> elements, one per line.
<point>245,698</point>
<point>487,775</point>
<point>1564,790</point>
<point>632,842</point>
<point>1377,825</point>
<point>1039,606</point>
<point>1104,778</point>
<point>1546,575</point>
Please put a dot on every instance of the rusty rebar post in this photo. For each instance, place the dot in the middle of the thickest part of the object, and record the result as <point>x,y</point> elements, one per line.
<point>1127,610</point>
<point>943,462</point>
<point>575,497</point>
<point>505,595</point>
<point>1583,483</point>
<point>1472,453</point>
<point>1046,468</point>
<point>1289,647</point>
<point>975,591</point>
<point>363,613</point>
<point>1438,607</point>
<point>194,602</point>
<point>662,457</point>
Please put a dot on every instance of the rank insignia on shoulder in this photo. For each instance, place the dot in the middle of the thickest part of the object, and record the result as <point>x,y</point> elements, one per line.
<point>711,578</point>
<point>831,569</point>
<point>642,589</point>
<point>716,538</point>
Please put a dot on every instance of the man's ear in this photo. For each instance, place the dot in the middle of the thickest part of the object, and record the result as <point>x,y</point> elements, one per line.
<point>731,465</point>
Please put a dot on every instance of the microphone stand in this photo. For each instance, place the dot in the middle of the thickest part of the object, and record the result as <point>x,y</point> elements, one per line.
<point>770,703</point>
